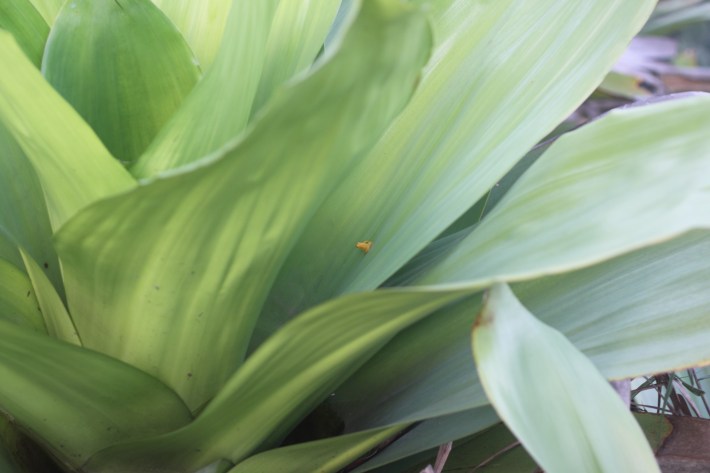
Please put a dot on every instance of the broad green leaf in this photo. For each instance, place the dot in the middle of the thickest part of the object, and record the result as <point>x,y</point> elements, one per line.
<point>76,402</point>
<point>201,23</point>
<point>219,106</point>
<point>57,322</point>
<point>48,9</point>
<point>640,313</point>
<point>630,179</point>
<point>20,18</point>
<point>491,91</point>
<point>298,31</point>
<point>18,303</point>
<point>281,382</point>
<point>73,166</point>
<point>526,366</point>
<point>324,456</point>
<point>645,312</point>
<point>24,221</point>
<point>185,311</point>
<point>92,57</point>
<point>264,44</point>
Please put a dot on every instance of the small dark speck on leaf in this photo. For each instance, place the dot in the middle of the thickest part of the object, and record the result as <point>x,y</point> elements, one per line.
<point>157,288</point>
<point>28,293</point>
<point>46,265</point>
<point>189,375</point>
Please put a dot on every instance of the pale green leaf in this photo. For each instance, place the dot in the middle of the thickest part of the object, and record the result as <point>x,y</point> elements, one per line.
<point>48,9</point>
<point>57,321</point>
<point>75,401</point>
<point>324,456</point>
<point>632,178</point>
<point>20,18</point>
<point>185,311</point>
<point>640,313</point>
<point>24,221</point>
<point>281,382</point>
<point>18,303</point>
<point>201,23</point>
<point>503,74</point>
<point>298,31</point>
<point>93,54</point>
<point>73,166</point>
<point>526,366</point>
<point>219,106</point>
<point>251,63</point>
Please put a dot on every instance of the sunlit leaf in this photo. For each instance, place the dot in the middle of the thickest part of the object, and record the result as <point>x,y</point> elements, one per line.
<point>630,179</point>
<point>491,91</point>
<point>73,166</point>
<point>289,375</point>
<point>201,23</point>
<point>140,276</point>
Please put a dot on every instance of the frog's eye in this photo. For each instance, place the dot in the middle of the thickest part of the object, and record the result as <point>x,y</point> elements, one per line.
<point>364,246</point>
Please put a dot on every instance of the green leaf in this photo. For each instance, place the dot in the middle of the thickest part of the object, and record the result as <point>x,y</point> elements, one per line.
<point>324,456</point>
<point>630,179</point>
<point>526,366</point>
<point>91,58</point>
<point>640,313</point>
<point>73,166</point>
<point>75,401</point>
<point>18,303</point>
<point>298,31</point>
<point>643,313</point>
<point>281,382</point>
<point>24,220</point>
<point>57,320</point>
<point>20,18</point>
<point>218,108</point>
<point>249,66</point>
<point>491,91</point>
<point>180,271</point>
<point>201,23</point>
<point>48,9</point>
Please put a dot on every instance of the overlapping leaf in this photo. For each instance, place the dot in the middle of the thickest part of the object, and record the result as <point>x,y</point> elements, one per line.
<point>627,180</point>
<point>492,90</point>
<point>20,18</point>
<point>640,313</point>
<point>140,275</point>
<point>76,402</point>
<point>289,375</point>
<point>24,221</point>
<point>57,321</point>
<point>48,9</point>
<point>201,23</point>
<point>527,367</point>
<point>92,56</point>
<point>248,63</point>
<point>73,166</point>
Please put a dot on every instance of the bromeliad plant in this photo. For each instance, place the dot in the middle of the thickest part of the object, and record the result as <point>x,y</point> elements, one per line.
<point>222,220</point>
